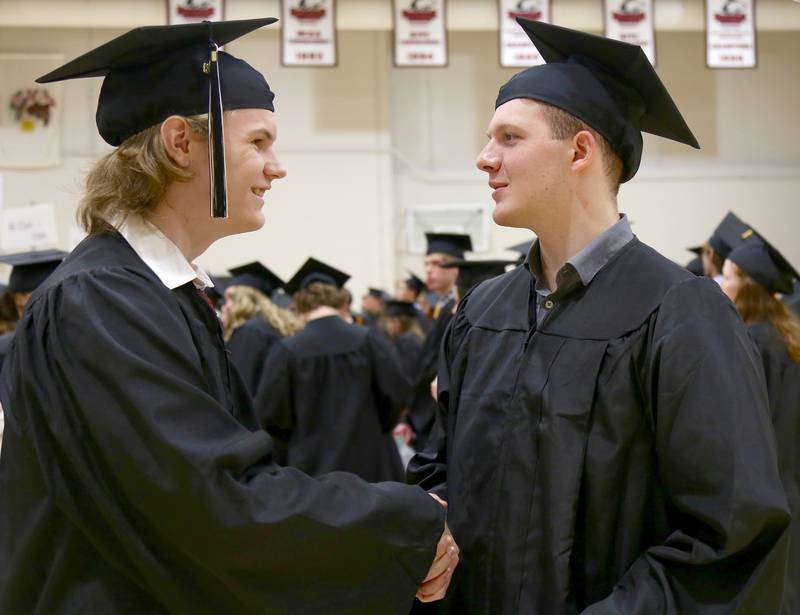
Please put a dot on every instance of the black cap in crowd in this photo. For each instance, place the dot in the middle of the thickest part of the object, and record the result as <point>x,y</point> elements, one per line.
<point>312,271</point>
<point>452,244</point>
<point>30,269</point>
<point>255,275</point>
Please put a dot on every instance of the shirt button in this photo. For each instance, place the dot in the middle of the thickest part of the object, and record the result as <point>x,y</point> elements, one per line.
<point>549,304</point>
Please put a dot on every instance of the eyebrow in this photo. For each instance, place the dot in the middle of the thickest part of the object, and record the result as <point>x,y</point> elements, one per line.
<point>504,127</point>
<point>261,132</point>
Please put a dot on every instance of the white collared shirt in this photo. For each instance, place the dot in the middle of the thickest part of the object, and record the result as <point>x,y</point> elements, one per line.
<point>161,255</point>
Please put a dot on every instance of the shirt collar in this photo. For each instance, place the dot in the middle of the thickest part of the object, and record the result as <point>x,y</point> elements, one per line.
<point>161,255</point>
<point>589,261</point>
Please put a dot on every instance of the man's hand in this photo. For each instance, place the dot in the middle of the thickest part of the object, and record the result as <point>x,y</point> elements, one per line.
<point>404,431</point>
<point>435,585</point>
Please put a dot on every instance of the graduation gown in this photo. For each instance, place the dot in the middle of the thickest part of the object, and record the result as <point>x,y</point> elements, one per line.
<point>249,346</point>
<point>331,395</point>
<point>409,351</point>
<point>5,346</point>
<point>615,459</point>
<point>422,411</point>
<point>134,478</point>
<point>783,388</point>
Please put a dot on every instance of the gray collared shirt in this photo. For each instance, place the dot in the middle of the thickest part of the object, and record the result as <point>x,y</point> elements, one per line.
<point>580,269</point>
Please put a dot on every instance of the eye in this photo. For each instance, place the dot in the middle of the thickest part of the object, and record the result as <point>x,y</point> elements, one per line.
<point>509,136</point>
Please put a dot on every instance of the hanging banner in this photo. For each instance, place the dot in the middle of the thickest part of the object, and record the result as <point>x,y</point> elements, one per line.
<point>731,34</point>
<point>420,32</point>
<point>516,49</point>
<point>194,11</point>
<point>631,21</point>
<point>308,32</point>
<point>30,113</point>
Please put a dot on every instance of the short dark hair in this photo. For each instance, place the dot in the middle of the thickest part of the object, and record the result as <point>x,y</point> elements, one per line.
<point>563,125</point>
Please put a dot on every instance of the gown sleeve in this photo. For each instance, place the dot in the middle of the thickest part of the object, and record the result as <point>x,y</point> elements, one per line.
<point>162,479</point>
<point>716,458</point>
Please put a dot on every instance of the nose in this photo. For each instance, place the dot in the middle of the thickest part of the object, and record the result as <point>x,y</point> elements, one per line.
<point>273,168</point>
<point>488,160</point>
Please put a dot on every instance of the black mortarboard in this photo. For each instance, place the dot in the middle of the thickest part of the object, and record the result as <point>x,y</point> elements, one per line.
<point>608,84</point>
<point>415,283</point>
<point>315,271</point>
<point>29,269</point>
<point>376,292</point>
<point>523,249</point>
<point>695,266</point>
<point>255,275</point>
<point>217,292</point>
<point>730,234</point>
<point>696,250</point>
<point>452,244</point>
<point>153,72</point>
<point>471,273</point>
<point>393,307</point>
<point>762,262</point>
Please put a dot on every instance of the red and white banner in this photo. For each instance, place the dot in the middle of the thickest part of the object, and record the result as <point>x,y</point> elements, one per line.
<point>731,33</point>
<point>516,49</point>
<point>194,11</point>
<point>308,32</point>
<point>631,21</point>
<point>420,32</point>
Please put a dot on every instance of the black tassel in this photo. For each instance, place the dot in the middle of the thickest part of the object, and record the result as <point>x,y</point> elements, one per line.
<point>216,141</point>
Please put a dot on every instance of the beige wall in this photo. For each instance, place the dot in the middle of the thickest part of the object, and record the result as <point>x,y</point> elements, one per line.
<point>363,141</point>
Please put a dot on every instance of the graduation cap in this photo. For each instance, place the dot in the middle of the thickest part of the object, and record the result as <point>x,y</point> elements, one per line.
<point>695,266</point>
<point>471,273</point>
<point>415,283</point>
<point>376,292</point>
<point>394,307</point>
<point>523,249</point>
<point>154,72</point>
<point>766,265</point>
<point>608,84</point>
<point>730,234</point>
<point>452,244</point>
<point>255,275</point>
<point>315,271</point>
<point>30,269</point>
<point>217,292</point>
<point>696,250</point>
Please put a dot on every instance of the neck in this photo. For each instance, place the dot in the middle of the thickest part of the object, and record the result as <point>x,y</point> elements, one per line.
<point>564,236</point>
<point>180,229</point>
<point>321,312</point>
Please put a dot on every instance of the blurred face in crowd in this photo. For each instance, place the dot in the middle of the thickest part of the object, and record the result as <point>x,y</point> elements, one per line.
<point>732,279</point>
<point>404,293</point>
<point>370,304</point>
<point>439,279</point>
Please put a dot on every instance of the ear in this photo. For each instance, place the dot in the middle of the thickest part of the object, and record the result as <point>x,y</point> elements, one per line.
<point>177,137</point>
<point>584,150</point>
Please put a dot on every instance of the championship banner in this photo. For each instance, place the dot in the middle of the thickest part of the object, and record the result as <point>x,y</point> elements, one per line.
<point>631,21</point>
<point>308,32</point>
<point>731,33</point>
<point>420,32</point>
<point>516,49</point>
<point>194,11</point>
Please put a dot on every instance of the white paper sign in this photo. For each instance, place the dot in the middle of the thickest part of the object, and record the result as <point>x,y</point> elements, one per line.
<point>730,34</point>
<point>516,49</point>
<point>308,32</point>
<point>632,21</point>
<point>26,228</point>
<point>420,33</point>
<point>194,11</point>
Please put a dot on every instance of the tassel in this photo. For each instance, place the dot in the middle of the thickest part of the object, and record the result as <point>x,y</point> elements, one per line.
<point>216,140</point>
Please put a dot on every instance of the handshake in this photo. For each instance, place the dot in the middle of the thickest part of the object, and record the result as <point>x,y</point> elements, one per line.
<point>436,582</point>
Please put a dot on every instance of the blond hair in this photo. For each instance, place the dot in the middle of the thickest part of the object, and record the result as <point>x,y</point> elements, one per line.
<point>131,179</point>
<point>248,302</point>
<point>756,304</point>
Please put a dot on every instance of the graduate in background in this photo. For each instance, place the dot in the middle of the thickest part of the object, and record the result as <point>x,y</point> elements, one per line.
<point>134,477</point>
<point>753,275</point>
<point>413,290</point>
<point>603,436</point>
<point>332,393</point>
<point>29,270</point>
<point>441,249</point>
<point>252,323</point>
<point>400,324</point>
<point>372,307</point>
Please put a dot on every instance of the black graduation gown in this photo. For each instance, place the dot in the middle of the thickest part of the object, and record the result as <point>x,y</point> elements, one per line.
<point>331,396</point>
<point>5,346</point>
<point>422,411</point>
<point>249,346</point>
<point>134,478</point>
<point>409,350</point>
<point>619,459</point>
<point>783,388</point>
